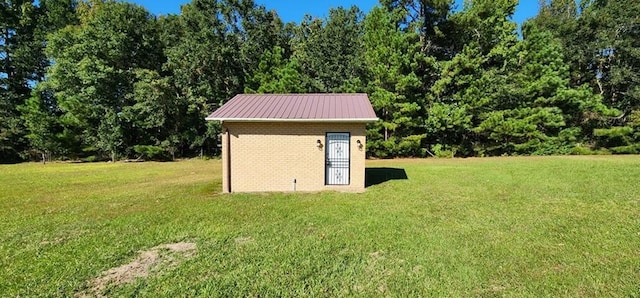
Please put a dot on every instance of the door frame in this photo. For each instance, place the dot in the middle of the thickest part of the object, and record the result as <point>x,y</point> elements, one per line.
<point>326,156</point>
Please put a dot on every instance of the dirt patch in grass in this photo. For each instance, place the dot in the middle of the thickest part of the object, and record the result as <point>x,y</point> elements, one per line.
<point>243,240</point>
<point>148,262</point>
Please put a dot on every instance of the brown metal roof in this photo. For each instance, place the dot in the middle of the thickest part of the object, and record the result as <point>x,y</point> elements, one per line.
<point>344,107</point>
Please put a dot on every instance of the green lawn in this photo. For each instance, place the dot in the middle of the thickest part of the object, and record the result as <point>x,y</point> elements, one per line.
<point>534,226</point>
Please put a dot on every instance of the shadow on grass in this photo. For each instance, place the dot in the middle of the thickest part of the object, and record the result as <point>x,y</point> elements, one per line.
<point>373,176</point>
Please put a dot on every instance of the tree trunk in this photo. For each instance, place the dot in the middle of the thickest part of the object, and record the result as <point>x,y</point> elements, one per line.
<point>44,158</point>
<point>386,132</point>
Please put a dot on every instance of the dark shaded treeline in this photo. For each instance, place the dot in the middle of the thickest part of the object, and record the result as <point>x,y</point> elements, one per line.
<point>107,80</point>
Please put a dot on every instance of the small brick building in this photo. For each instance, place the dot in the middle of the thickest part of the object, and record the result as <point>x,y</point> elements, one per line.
<point>294,142</point>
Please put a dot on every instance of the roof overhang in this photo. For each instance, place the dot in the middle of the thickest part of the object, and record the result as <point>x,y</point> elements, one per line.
<point>333,120</point>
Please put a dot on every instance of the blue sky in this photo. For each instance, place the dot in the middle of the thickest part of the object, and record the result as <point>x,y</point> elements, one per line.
<point>294,12</point>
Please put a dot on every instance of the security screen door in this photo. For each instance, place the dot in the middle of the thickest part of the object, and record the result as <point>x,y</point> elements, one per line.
<point>337,158</point>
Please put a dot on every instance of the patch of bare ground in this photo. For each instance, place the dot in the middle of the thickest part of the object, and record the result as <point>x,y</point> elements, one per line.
<point>148,262</point>
<point>243,240</point>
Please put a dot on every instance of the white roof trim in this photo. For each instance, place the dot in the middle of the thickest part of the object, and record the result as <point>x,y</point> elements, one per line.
<point>352,120</point>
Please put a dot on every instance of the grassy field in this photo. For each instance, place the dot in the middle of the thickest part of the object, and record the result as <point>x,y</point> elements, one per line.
<point>535,226</point>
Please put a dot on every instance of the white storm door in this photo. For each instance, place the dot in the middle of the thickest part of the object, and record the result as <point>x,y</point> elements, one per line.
<point>337,158</point>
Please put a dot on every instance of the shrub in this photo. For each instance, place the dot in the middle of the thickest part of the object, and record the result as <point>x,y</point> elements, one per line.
<point>151,152</point>
<point>441,151</point>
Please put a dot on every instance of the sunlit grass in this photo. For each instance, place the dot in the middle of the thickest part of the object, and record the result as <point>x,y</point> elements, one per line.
<point>538,226</point>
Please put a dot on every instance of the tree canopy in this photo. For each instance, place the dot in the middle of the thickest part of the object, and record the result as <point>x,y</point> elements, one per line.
<point>106,79</point>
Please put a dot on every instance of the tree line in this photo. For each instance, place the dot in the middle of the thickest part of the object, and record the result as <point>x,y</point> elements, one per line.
<point>102,79</point>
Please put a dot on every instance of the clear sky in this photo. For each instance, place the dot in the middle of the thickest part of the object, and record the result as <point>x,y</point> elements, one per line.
<point>294,12</point>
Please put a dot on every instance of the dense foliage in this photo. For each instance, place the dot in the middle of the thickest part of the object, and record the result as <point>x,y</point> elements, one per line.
<point>103,79</point>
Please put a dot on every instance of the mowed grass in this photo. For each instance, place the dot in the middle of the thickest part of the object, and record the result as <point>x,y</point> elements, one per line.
<point>532,226</point>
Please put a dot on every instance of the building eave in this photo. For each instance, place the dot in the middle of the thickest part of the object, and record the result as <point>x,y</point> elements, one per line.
<point>332,120</point>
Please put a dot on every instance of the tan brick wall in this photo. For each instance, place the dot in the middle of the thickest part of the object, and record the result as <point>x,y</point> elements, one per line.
<point>269,156</point>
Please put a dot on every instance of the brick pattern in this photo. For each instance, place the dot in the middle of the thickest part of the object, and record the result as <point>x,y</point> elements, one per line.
<point>269,156</point>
